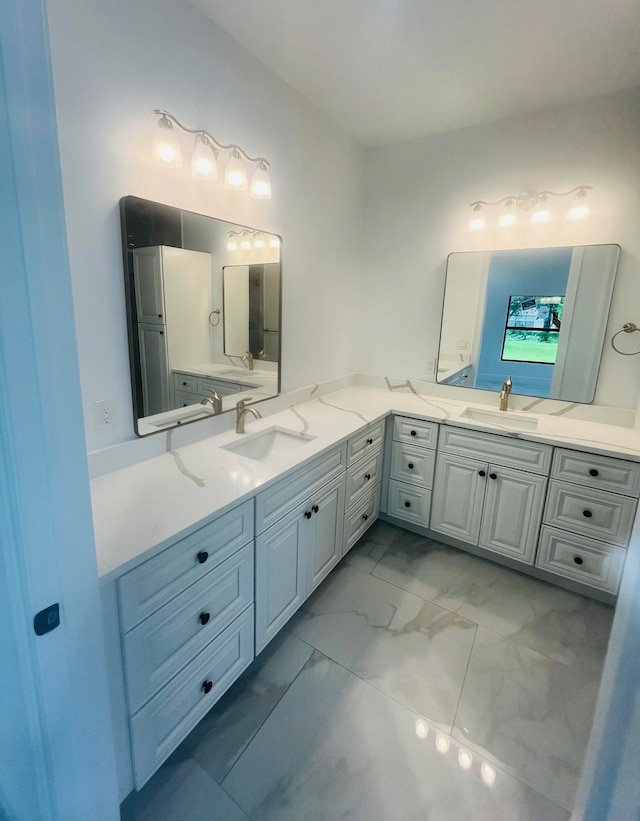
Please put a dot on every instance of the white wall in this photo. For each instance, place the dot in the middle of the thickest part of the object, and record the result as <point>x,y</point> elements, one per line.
<point>113,64</point>
<point>416,212</point>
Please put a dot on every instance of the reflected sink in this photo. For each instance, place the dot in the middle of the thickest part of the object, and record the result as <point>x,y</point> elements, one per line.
<point>269,444</point>
<point>505,419</point>
<point>234,372</point>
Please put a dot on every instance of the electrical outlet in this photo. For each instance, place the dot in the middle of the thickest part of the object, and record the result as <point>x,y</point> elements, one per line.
<point>461,344</point>
<point>103,414</point>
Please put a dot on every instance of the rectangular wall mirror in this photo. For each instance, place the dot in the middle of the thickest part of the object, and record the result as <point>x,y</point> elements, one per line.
<point>203,308</point>
<point>538,315</point>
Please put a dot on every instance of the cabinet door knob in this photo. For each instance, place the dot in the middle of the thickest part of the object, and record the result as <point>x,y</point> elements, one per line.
<point>594,472</point>
<point>577,559</point>
<point>369,441</point>
<point>315,508</point>
<point>365,517</point>
<point>482,473</point>
<point>184,383</point>
<point>587,514</point>
<point>207,686</point>
<point>407,504</point>
<point>159,316</point>
<point>410,465</point>
<point>367,476</point>
<point>161,333</point>
<point>493,476</point>
<point>204,618</point>
<point>413,433</point>
<point>202,556</point>
<point>307,514</point>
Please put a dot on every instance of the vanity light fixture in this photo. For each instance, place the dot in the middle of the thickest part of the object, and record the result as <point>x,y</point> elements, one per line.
<point>538,203</point>
<point>245,242</point>
<point>204,165</point>
<point>250,238</point>
<point>232,241</point>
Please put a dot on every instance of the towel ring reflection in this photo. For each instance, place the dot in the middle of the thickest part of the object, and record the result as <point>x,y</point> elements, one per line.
<point>627,328</point>
<point>215,324</point>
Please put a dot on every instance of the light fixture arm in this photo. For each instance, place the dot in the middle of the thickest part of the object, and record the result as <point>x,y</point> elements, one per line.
<point>160,112</point>
<point>519,199</point>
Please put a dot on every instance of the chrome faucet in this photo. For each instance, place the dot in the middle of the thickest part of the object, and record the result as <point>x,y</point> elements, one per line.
<point>247,360</point>
<point>241,411</point>
<point>504,394</point>
<point>215,400</point>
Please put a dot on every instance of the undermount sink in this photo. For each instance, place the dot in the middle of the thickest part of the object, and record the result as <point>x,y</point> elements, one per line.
<point>505,419</point>
<point>269,444</point>
<point>235,372</point>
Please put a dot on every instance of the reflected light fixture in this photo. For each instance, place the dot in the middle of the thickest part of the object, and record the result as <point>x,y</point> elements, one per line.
<point>166,148</point>
<point>204,161</point>
<point>232,242</point>
<point>259,242</point>
<point>538,203</point>
<point>465,759</point>
<point>442,743</point>
<point>245,242</point>
<point>422,729</point>
<point>250,238</point>
<point>488,774</point>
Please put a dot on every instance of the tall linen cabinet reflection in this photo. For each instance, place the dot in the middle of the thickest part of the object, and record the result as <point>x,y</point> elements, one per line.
<point>173,303</point>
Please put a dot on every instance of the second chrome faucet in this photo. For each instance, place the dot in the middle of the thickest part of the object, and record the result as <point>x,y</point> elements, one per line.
<point>505,393</point>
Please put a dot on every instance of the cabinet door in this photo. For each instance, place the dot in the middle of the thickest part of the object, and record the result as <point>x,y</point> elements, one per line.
<point>458,495</point>
<point>155,369</point>
<point>512,513</point>
<point>280,574</point>
<point>324,532</point>
<point>147,274</point>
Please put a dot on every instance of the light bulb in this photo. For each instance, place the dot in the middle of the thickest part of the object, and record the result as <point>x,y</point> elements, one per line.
<point>488,774</point>
<point>203,161</point>
<point>245,243</point>
<point>166,148</point>
<point>274,242</point>
<point>422,729</point>
<point>580,207</point>
<point>235,174</point>
<point>259,242</point>
<point>477,221</point>
<point>542,211</point>
<point>232,243</point>
<point>260,184</point>
<point>465,759</point>
<point>442,743</point>
<point>508,216</point>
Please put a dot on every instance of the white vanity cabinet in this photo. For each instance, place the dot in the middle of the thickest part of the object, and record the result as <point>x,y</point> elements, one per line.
<point>364,476</point>
<point>412,464</point>
<point>300,525</point>
<point>486,502</point>
<point>186,622</point>
<point>588,518</point>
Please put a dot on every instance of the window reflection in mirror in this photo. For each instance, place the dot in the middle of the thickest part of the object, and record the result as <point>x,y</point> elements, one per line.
<point>538,315</point>
<point>182,366</point>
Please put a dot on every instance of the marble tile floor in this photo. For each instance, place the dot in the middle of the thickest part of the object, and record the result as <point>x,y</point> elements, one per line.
<point>417,682</point>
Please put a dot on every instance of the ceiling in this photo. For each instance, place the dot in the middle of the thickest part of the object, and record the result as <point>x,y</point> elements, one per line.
<point>392,70</point>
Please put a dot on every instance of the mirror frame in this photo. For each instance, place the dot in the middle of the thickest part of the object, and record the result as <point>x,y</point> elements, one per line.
<point>131,315</point>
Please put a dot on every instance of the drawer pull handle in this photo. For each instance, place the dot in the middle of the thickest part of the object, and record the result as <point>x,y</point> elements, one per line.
<point>594,472</point>
<point>207,686</point>
<point>307,514</point>
<point>410,465</point>
<point>315,508</point>
<point>369,441</point>
<point>204,618</point>
<point>482,473</point>
<point>493,476</point>
<point>577,559</point>
<point>159,316</point>
<point>184,383</point>
<point>365,517</point>
<point>367,476</point>
<point>407,504</point>
<point>202,556</point>
<point>587,514</point>
<point>413,433</point>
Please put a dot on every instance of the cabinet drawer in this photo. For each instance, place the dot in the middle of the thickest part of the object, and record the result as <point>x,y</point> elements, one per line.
<point>581,559</point>
<point>501,450</point>
<point>152,584</point>
<point>159,727</point>
<point>601,472</point>
<point>361,517</point>
<point>274,503</point>
<point>365,474</point>
<point>163,644</point>
<point>362,443</point>
<point>595,513</point>
<point>415,431</point>
<point>409,502</point>
<point>182,399</point>
<point>184,382</point>
<point>413,464</point>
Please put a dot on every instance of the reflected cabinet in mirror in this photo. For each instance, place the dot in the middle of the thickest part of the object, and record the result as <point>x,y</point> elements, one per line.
<point>203,307</point>
<point>538,315</point>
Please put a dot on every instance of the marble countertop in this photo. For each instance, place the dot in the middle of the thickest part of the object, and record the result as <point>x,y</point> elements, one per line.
<point>139,510</point>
